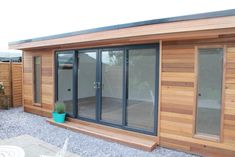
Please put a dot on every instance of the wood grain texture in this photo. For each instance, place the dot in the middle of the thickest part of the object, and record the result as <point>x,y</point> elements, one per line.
<point>47,80</point>
<point>16,84</point>
<point>178,99</point>
<point>5,77</point>
<point>132,139</point>
<point>229,110</point>
<point>177,94</point>
<point>11,76</point>
<point>163,31</point>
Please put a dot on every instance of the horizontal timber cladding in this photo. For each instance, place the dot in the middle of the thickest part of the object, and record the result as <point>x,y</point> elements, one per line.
<point>229,111</point>
<point>47,82</point>
<point>162,30</point>
<point>178,105</point>
<point>177,98</point>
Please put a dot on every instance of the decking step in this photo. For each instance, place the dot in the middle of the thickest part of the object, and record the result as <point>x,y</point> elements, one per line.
<point>132,139</point>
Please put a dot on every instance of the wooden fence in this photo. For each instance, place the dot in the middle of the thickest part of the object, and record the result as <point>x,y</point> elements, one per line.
<point>11,76</point>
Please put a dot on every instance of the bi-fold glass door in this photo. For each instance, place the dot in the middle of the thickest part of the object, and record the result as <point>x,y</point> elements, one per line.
<point>141,88</point>
<point>112,86</point>
<point>111,69</point>
<point>64,78</point>
<point>99,85</point>
<point>87,84</point>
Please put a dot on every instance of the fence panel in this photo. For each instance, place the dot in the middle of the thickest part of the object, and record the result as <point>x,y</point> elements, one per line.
<point>16,69</point>
<point>11,76</point>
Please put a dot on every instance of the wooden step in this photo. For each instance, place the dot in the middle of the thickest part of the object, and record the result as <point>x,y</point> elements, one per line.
<point>132,139</point>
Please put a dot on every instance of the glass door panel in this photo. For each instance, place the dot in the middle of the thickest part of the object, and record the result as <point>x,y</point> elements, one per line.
<point>210,76</point>
<point>65,87</point>
<point>86,96</point>
<point>141,88</point>
<point>112,86</point>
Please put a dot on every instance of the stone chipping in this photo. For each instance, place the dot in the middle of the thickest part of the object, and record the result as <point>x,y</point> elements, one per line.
<point>15,122</point>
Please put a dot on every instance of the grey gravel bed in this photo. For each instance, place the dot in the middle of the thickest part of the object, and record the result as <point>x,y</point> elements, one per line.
<point>15,122</point>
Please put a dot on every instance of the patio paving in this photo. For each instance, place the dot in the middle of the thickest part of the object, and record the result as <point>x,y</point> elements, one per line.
<point>15,122</point>
<point>34,147</point>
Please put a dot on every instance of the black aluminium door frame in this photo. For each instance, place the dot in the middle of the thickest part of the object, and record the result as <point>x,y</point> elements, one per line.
<point>125,87</point>
<point>99,79</point>
<point>56,61</point>
<point>156,88</point>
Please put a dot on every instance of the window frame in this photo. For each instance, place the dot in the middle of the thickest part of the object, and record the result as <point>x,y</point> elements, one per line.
<point>74,74</point>
<point>157,88</point>
<point>77,51</point>
<point>33,82</point>
<point>208,137</point>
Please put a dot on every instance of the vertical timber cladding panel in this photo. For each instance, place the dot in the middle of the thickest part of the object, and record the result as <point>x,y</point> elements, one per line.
<point>229,112</point>
<point>16,69</point>
<point>177,93</point>
<point>27,79</point>
<point>47,81</point>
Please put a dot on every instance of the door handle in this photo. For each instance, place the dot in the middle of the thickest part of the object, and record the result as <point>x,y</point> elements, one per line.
<point>199,94</point>
<point>94,85</point>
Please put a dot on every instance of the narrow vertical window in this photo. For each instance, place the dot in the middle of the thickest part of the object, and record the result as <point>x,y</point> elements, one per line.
<point>209,99</point>
<point>37,79</point>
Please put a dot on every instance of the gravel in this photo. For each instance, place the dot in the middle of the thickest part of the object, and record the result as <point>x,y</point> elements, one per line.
<point>15,122</point>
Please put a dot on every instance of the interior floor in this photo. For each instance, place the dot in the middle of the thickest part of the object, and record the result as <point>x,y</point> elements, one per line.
<point>140,114</point>
<point>208,121</point>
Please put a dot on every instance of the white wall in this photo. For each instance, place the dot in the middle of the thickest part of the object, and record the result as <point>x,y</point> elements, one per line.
<point>112,80</point>
<point>65,83</point>
<point>86,76</point>
<point>86,79</point>
<point>141,78</point>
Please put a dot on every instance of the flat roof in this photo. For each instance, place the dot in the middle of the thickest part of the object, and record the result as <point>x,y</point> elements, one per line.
<point>207,15</point>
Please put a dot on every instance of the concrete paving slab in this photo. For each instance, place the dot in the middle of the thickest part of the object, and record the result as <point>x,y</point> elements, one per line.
<point>34,147</point>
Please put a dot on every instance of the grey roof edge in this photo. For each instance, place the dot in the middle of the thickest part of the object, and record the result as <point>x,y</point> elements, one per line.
<point>223,13</point>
